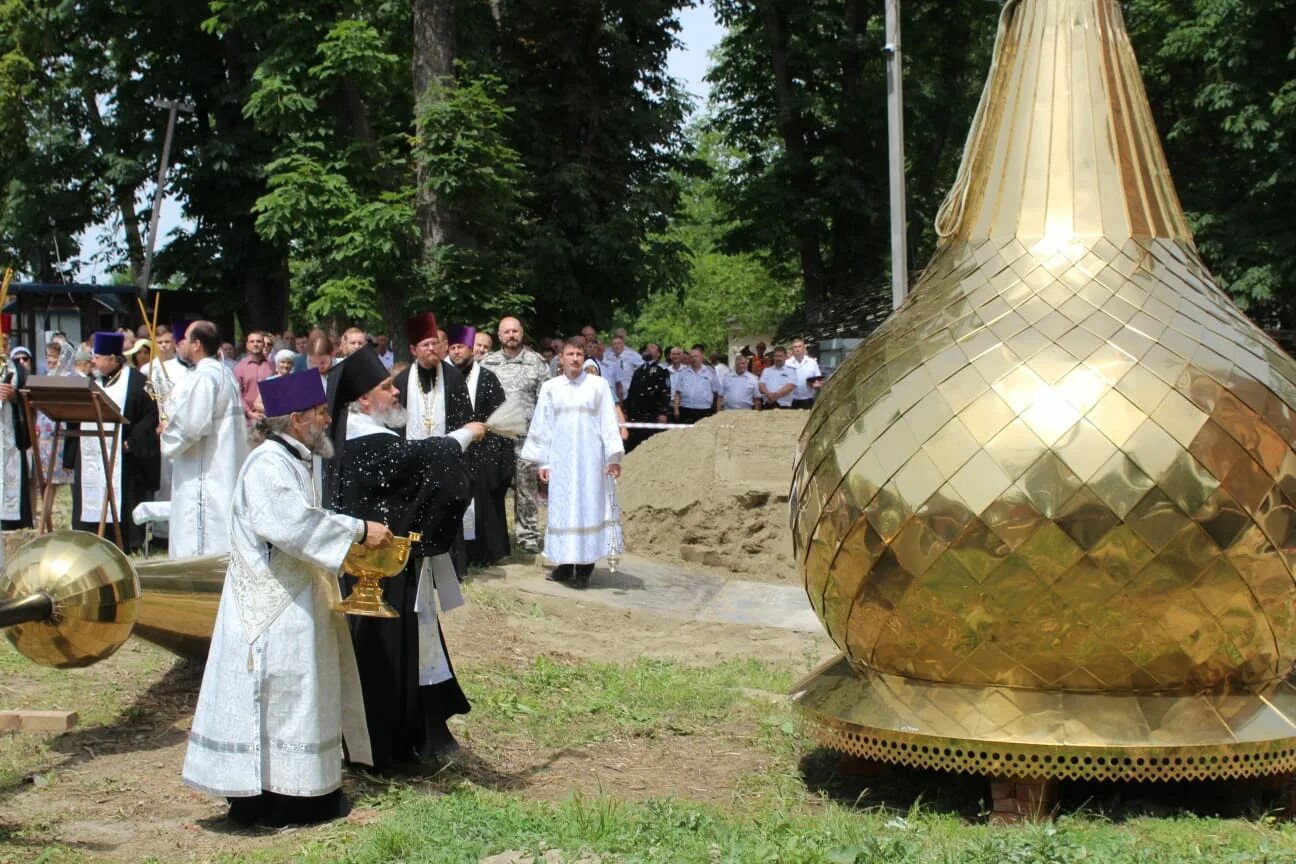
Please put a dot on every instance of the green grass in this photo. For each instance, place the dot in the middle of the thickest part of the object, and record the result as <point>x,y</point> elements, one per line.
<point>100,695</point>
<point>792,807</point>
<point>469,824</point>
<point>554,703</point>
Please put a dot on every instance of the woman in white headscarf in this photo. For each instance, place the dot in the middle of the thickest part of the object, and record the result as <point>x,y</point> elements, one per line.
<point>60,359</point>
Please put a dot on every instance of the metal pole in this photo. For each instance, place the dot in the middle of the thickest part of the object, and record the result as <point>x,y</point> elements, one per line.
<point>158,193</point>
<point>895,116</point>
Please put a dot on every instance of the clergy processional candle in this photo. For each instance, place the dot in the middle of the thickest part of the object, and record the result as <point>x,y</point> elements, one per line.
<point>1048,510</point>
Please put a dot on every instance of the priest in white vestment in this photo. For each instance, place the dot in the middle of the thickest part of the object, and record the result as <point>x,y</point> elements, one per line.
<point>205,437</point>
<point>576,442</point>
<point>281,693</point>
<point>164,371</point>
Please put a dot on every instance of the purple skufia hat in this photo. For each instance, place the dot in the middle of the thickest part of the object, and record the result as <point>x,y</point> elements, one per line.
<point>289,394</point>
<point>178,328</point>
<point>461,334</point>
<point>106,343</point>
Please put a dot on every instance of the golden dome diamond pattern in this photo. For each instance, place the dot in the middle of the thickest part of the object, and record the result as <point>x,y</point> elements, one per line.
<point>1066,465</point>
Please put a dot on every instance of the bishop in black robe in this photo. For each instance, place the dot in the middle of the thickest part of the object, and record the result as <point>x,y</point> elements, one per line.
<point>420,485</point>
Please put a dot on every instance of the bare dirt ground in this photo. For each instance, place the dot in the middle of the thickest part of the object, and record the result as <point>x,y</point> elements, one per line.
<point>111,788</point>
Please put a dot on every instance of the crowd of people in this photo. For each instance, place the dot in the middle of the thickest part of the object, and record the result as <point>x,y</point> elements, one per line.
<point>291,453</point>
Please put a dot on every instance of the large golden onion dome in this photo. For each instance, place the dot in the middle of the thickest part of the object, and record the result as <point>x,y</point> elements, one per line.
<point>1046,511</point>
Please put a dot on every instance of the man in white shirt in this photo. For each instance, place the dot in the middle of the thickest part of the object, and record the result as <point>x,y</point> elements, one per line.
<point>627,359</point>
<point>741,389</point>
<point>281,692</point>
<point>808,376</point>
<point>695,393</point>
<point>609,368</point>
<point>675,362</point>
<point>778,381</point>
<point>722,370</point>
<point>383,346</point>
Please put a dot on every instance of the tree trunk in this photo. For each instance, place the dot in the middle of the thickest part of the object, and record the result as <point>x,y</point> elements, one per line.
<point>263,286</point>
<point>792,129</point>
<point>259,275</point>
<point>846,236</point>
<point>434,53</point>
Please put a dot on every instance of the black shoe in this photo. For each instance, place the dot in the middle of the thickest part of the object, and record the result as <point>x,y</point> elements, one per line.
<point>287,810</point>
<point>247,811</point>
<point>561,573</point>
<point>440,744</point>
<point>581,578</point>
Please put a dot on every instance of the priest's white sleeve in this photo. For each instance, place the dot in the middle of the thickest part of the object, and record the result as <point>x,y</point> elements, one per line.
<point>540,434</point>
<point>193,410</point>
<point>609,430</point>
<point>282,516</point>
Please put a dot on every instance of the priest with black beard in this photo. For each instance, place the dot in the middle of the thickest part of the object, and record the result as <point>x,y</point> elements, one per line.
<point>491,462</point>
<point>138,458</point>
<point>419,485</point>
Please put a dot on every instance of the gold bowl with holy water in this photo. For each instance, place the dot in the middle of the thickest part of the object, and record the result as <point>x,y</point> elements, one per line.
<point>370,567</point>
<point>1048,510</point>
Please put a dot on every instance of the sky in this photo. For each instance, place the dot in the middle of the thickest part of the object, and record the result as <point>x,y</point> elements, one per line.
<point>699,33</point>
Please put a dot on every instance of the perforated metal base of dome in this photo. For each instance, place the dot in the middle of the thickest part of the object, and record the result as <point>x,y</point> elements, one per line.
<point>1002,731</point>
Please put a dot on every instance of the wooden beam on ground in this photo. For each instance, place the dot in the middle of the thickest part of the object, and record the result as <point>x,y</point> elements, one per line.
<point>37,721</point>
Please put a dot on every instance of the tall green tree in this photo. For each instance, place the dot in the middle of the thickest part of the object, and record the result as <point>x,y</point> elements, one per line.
<point>83,138</point>
<point>598,124</point>
<point>725,293</point>
<point>800,88</point>
<point>1221,77</point>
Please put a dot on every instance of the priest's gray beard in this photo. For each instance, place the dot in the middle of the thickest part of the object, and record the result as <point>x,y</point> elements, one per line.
<point>317,442</point>
<point>395,417</point>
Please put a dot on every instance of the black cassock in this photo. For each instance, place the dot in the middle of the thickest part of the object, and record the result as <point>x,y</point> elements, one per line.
<point>140,462</point>
<point>491,462</point>
<point>23,442</point>
<point>458,413</point>
<point>418,486</point>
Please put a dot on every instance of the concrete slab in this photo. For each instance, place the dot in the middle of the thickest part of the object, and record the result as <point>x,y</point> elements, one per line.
<point>678,592</point>
<point>760,605</point>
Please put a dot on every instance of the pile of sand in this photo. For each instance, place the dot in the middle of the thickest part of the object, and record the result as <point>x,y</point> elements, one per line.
<point>716,494</point>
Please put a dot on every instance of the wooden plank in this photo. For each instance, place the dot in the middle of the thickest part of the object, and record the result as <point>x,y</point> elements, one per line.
<point>37,721</point>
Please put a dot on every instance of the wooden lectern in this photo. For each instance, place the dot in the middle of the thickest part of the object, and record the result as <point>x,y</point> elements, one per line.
<point>73,400</point>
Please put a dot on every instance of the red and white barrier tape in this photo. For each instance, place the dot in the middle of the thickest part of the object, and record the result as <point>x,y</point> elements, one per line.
<point>656,425</point>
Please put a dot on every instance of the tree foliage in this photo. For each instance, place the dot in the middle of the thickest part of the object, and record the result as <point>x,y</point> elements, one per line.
<point>725,293</point>
<point>598,124</point>
<point>557,145</point>
<point>800,89</point>
<point>1221,76</point>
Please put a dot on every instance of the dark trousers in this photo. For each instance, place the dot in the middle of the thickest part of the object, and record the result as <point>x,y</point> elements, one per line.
<point>693,415</point>
<point>803,404</point>
<point>638,436</point>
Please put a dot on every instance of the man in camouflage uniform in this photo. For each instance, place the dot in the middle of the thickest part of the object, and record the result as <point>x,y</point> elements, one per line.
<point>521,371</point>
